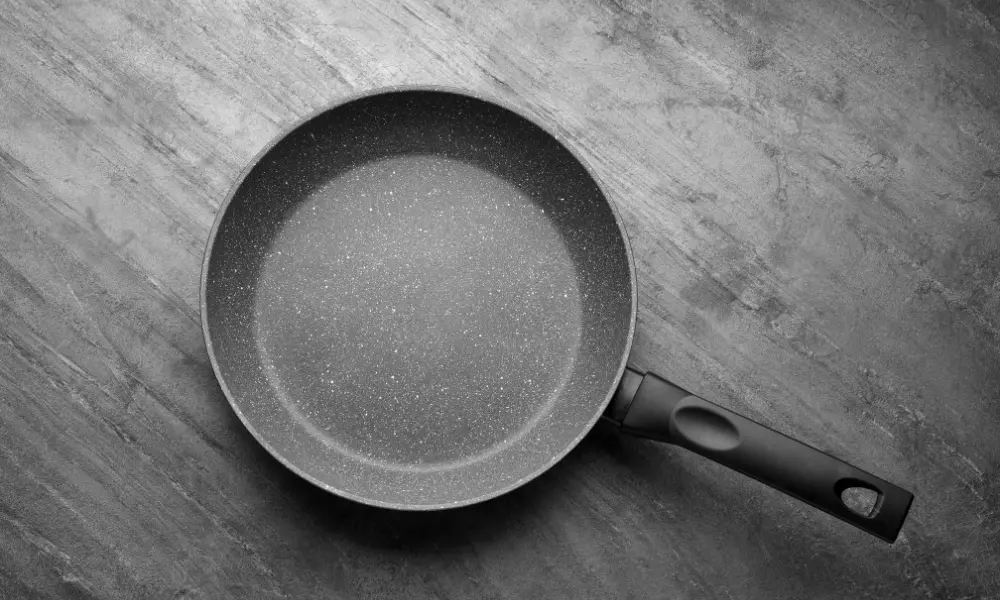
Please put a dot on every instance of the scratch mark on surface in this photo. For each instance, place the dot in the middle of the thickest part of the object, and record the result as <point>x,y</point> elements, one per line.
<point>113,369</point>
<point>172,299</point>
<point>879,425</point>
<point>38,541</point>
<point>965,470</point>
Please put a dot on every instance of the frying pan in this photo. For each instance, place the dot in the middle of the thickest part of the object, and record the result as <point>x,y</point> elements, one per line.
<point>420,298</point>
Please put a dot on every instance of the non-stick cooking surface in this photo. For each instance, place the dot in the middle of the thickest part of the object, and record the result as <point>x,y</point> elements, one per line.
<point>418,299</point>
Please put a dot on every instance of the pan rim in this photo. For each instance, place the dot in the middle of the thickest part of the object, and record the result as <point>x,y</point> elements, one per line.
<point>518,110</point>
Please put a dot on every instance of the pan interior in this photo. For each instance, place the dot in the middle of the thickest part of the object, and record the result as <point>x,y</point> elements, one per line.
<point>418,299</point>
<point>399,319</point>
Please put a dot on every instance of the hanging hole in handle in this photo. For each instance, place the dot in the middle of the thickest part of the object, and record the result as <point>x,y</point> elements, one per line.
<point>859,497</point>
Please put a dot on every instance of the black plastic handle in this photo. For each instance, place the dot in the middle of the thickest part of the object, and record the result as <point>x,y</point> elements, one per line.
<point>651,407</point>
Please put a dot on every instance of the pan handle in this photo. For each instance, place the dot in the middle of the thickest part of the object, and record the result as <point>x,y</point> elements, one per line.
<point>650,407</point>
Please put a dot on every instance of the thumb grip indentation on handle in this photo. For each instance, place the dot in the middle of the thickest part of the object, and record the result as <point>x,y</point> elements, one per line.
<point>705,427</point>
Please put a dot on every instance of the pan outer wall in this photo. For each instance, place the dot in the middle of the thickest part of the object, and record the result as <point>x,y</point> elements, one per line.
<point>418,299</point>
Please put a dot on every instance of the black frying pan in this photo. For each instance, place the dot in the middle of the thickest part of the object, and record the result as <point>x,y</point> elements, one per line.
<point>421,299</point>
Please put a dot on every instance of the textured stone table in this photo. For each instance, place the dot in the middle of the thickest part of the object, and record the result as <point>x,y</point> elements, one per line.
<point>812,192</point>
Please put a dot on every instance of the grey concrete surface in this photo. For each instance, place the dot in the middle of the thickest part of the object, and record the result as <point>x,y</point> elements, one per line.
<point>811,189</point>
